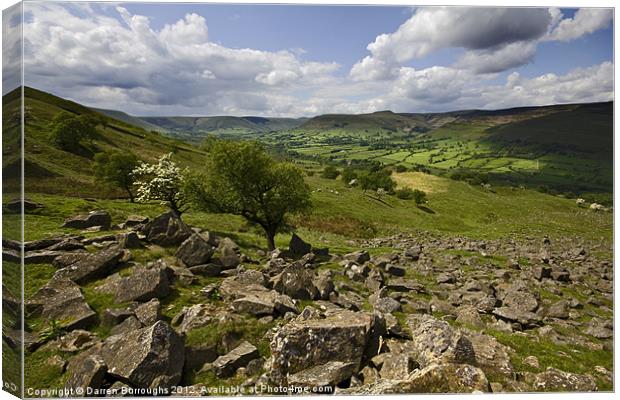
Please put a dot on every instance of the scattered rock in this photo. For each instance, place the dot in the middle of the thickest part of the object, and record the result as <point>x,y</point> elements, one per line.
<point>195,250</point>
<point>86,372</point>
<point>325,375</point>
<point>297,247</point>
<point>94,218</point>
<point>553,380</point>
<point>84,267</point>
<point>226,365</point>
<point>167,230</point>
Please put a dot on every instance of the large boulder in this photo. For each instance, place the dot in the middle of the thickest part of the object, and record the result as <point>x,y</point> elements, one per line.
<point>297,248</point>
<point>84,267</point>
<point>148,357</point>
<point>325,375</point>
<point>229,253</point>
<point>84,373</point>
<point>94,218</point>
<point>554,380</point>
<point>436,341</point>
<point>296,282</point>
<point>142,285</point>
<point>305,343</point>
<point>435,378</point>
<point>167,230</point>
<point>61,300</point>
<point>195,250</point>
<point>226,365</point>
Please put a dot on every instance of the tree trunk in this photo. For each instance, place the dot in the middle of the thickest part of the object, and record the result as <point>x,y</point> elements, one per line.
<point>271,239</point>
<point>131,198</point>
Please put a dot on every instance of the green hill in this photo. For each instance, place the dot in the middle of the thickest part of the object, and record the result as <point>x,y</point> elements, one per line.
<point>52,170</point>
<point>195,129</point>
<point>130,119</point>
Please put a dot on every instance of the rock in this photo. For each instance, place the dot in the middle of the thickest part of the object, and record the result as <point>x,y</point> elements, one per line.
<point>297,247</point>
<point>436,341</point>
<point>374,281</point>
<point>257,303</point>
<point>195,316</point>
<point>395,270</point>
<point>325,375</point>
<point>324,283</point>
<point>37,257</point>
<point>296,282</point>
<point>229,253</point>
<point>413,253</point>
<point>397,366</point>
<point>84,267</point>
<point>226,365</point>
<point>206,270</point>
<point>195,250</point>
<point>129,324</point>
<point>67,245</point>
<point>305,343</point>
<point>553,380</point>
<point>560,274</point>
<point>525,318</point>
<point>532,361</point>
<point>16,205</point>
<point>521,300</point>
<point>241,284</point>
<point>135,220</point>
<point>435,378</point>
<point>86,372</point>
<point>112,317</point>
<point>149,312</point>
<point>541,272</point>
<point>404,285</point>
<point>387,305</point>
<point>75,341</point>
<point>358,257</point>
<point>142,285</point>
<point>445,278</point>
<point>197,355</point>
<point>559,310</point>
<point>129,240</point>
<point>94,218</point>
<point>468,315</point>
<point>147,357</point>
<point>491,355</point>
<point>167,230</point>
<point>61,300</point>
<point>38,244</point>
<point>600,329</point>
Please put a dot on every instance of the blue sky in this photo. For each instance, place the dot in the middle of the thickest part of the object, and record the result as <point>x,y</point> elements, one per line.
<point>293,60</point>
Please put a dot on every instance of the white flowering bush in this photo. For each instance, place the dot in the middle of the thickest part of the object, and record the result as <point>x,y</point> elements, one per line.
<point>161,182</point>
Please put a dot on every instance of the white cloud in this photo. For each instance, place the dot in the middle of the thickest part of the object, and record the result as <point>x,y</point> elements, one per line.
<point>585,21</point>
<point>494,39</point>
<point>70,53</point>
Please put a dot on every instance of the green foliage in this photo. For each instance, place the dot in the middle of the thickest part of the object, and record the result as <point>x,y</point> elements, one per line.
<point>116,169</point>
<point>400,168</point>
<point>349,174</point>
<point>53,331</point>
<point>404,194</point>
<point>330,172</point>
<point>163,182</point>
<point>374,180</point>
<point>68,131</point>
<point>419,197</point>
<point>240,178</point>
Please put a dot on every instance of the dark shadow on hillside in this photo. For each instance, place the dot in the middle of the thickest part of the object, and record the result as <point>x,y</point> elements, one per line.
<point>426,209</point>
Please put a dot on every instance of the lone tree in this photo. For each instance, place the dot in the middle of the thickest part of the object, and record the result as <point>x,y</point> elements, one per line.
<point>242,179</point>
<point>116,169</point>
<point>419,197</point>
<point>162,182</point>
<point>68,130</point>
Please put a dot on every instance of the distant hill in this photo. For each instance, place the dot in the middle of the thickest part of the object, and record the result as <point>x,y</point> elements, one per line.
<point>195,129</point>
<point>130,119</point>
<point>52,170</point>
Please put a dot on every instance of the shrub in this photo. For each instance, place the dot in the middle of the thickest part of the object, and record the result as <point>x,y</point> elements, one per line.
<point>404,193</point>
<point>348,175</point>
<point>400,168</point>
<point>419,197</point>
<point>330,172</point>
<point>374,180</point>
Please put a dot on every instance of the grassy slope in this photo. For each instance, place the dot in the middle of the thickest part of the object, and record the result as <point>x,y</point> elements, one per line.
<point>51,170</point>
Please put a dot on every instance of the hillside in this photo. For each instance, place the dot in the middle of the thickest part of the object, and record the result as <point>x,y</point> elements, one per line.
<point>195,129</point>
<point>52,170</point>
<point>130,119</point>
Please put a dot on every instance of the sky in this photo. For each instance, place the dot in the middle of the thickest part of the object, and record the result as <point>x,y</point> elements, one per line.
<point>295,60</point>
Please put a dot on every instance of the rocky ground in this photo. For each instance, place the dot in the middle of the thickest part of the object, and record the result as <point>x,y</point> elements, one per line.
<point>422,314</point>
